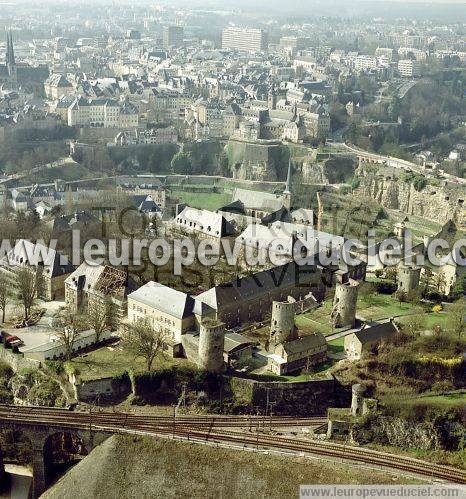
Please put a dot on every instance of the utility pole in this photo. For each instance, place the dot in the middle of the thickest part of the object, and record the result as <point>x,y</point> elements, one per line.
<point>271,413</point>
<point>174,420</point>
<point>90,418</point>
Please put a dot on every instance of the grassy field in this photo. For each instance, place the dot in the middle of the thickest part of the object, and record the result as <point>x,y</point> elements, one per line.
<point>444,401</point>
<point>114,360</point>
<point>371,306</point>
<point>336,346</point>
<point>208,201</point>
<point>68,172</point>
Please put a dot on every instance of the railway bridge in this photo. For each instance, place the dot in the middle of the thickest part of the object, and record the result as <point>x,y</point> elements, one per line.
<point>80,432</point>
<point>74,440</point>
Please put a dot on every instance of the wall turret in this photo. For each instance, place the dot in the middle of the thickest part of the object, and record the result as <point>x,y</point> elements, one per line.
<point>408,277</point>
<point>211,346</point>
<point>344,303</point>
<point>282,326</point>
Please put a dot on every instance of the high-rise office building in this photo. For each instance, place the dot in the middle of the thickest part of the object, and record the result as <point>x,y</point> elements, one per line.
<point>248,39</point>
<point>173,36</point>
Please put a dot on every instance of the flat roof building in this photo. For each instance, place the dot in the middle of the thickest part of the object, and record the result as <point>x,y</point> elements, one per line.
<point>173,36</point>
<point>247,39</point>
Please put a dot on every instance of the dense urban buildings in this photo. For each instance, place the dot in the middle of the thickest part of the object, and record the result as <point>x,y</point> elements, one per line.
<point>238,225</point>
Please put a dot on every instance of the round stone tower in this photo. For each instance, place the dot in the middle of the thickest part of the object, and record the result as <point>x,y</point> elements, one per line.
<point>211,345</point>
<point>408,277</point>
<point>344,303</point>
<point>282,327</point>
<point>357,399</point>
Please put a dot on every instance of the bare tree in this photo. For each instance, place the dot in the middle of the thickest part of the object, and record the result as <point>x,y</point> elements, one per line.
<point>69,326</point>
<point>414,324</point>
<point>27,282</point>
<point>98,318</point>
<point>438,281</point>
<point>146,341</point>
<point>456,317</point>
<point>4,296</point>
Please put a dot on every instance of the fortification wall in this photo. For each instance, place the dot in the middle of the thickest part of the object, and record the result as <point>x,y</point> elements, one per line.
<point>103,391</point>
<point>17,360</point>
<point>311,397</point>
<point>436,203</point>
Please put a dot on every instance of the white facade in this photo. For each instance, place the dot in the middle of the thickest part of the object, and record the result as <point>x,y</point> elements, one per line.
<point>409,68</point>
<point>104,113</point>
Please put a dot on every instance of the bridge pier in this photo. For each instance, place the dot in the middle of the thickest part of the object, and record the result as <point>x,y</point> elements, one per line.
<point>3,481</point>
<point>42,458</point>
<point>39,471</point>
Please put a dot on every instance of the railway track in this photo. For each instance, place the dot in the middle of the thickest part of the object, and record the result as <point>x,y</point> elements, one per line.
<point>59,416</point>
<point>222,429</point>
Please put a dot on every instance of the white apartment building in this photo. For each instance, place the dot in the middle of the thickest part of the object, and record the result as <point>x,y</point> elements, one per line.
<point>409,68</point>
<point>102,113</point>
<point>247,39</point>
<point>364,62</point>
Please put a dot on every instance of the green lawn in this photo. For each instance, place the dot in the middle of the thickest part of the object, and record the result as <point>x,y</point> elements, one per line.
<point>208,201</point>
<point>114,360</point>
<point>375,306</point>
<point>372,306</point>
<point>444,401</point>
<point>455,399</point>
<point>316,320</point>
<point>433,319</point>
<point>336,346</point>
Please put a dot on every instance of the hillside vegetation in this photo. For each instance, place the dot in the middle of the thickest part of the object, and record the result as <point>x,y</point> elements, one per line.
<point>128,467</point>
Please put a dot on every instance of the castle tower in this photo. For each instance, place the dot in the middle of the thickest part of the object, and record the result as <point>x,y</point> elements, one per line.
<point>287,191</point>
<point>344,303</point>
<point>408,277</point>
<point>211,345</point>
<point>357,399</point>
<point>282,327</point>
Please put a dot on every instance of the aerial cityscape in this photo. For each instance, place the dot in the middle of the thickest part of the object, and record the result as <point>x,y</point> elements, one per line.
<point>232,249</point>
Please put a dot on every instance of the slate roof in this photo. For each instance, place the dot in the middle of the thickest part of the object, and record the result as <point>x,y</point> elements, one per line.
<point>263,201</point>
<point>207,222</point>
<point>58,80</point>
<point>100,278</point>
<point>370,334</point>
<point>304,343</point>
<point>281,215</point>
<point>235,341</point>
<point>167,300</point>
<point>56,263</point>
<point>250,288</point>
<point>78,219</point>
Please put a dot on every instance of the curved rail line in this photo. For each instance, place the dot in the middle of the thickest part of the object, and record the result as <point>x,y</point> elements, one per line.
<point>212,429</point>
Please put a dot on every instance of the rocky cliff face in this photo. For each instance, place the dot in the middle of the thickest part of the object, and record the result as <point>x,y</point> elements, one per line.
<point>436,203</point>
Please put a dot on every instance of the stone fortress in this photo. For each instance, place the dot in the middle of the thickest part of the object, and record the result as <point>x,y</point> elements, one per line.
<point>344,303</point>
<point>408,277</point>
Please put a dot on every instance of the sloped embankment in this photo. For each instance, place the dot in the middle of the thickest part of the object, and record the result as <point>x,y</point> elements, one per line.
<point>127,467</point>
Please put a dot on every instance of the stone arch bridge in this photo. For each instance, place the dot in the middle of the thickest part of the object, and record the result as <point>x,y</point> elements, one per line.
<point>41,436</point>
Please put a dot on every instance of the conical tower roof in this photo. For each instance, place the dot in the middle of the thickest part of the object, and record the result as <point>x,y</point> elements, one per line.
<point>288,180</point>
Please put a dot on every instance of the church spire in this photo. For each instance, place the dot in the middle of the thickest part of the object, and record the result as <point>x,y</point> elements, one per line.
<point>10,52</point>
<point>287,191</point>
<point>288,180</point>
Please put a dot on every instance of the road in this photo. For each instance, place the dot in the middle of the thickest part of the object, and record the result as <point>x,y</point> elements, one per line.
<point>397,163</point>
<point>37,169</point>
